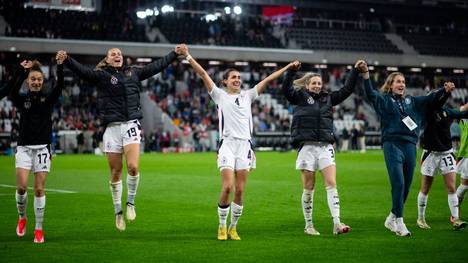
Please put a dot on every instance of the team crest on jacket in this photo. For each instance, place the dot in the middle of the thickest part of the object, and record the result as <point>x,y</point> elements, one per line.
<point>114,80</point>
<point>408,101</point>
<point>27,104</point>
<point>310,100</point>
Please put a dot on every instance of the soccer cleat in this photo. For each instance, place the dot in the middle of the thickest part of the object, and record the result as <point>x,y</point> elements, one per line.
<point>131,214</point>
<point>38,236</point>
<point>119,221</point>
<point>402,230</point>
<point>340,228</point>
<point>310,230</point>
<point>422,223</point>
<point>222,233</point>
<point>232,232</point>
<point>21,227</point>
<point>390,223</point>
<point>459,224</point>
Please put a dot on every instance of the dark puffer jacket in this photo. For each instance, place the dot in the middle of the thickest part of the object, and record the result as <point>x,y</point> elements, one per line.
<point>119,88</point>
<point>313,116</point>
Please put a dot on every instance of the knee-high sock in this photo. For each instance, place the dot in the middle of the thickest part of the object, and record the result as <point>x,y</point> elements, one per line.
<point>39,207</point>
<point>132,186</point>
<point>116,190</point>
<point>422,203</point>
<point>307,202</point>
<point>453,205</point>
<point>334,204</point>
<point>21,203</point>
<point>223,212</point>
<point>236,212</point>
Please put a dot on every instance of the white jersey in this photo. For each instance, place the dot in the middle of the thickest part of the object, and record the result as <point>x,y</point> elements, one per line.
<point>234,112</point>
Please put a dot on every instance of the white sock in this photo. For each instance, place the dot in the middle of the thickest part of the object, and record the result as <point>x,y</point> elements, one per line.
<point>422,203</point>
<point>39,207</point>
<point>461,191</point>
<point>307,206</point>
<point>333,204</point>
<point>116,190</point>
<point>223,213</point>
<point>236,212</point>
<point>453,205</point>
<point>132,186</point>
<point>21,203</point>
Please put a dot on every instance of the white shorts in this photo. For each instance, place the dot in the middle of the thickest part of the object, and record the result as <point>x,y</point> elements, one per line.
<point>120,134</point>
<point>236,154</point>
<point>315,156</point>
<point>462,168</point>
<point>33,158</point>
<point>432,162</point>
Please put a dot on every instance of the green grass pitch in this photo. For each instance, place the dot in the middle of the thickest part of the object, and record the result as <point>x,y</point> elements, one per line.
<point>177,218</point>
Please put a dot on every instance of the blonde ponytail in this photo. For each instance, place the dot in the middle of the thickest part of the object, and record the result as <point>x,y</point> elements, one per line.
<point>304,80</point>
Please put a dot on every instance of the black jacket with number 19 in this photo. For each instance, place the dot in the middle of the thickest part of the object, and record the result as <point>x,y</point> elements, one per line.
<point>313,113</point>
<point>119,88</point>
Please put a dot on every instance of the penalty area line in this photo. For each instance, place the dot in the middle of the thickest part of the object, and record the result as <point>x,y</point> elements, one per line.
<point>47,189</point>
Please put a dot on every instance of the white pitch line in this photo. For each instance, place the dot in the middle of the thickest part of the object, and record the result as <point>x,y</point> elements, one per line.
<point>47,189</point>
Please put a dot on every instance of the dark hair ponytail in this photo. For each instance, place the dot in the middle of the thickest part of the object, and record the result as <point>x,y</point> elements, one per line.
<point>226,75</point>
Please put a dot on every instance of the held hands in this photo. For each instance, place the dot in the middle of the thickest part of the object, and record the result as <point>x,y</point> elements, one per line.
<point>26,64</point>
<point>61,56</point>
<point>295,65</point>
<point>361,66</point>
<point>449,87</point>
<point>181,50</point>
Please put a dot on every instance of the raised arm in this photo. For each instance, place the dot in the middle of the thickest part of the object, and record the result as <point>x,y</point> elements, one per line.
<point>209,84</point>
<point>17,76</point>
<point>55,94</point>
<point>372,95</point>
<point>291,94</point>
<point>340,95</point>
<point>262,85</point>
<point>156,66</point>
<point>83,72</point>
<point>435,99</point>
<point>18,82</point>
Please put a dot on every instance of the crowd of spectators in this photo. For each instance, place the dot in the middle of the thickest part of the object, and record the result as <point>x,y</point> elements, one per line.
<point>181,95</point>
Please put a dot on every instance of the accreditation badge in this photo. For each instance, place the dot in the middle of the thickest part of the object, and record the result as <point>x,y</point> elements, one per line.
<point>409,123</point>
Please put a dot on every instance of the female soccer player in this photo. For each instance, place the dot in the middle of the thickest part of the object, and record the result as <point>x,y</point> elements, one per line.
<point>462,158</point>
<point>312,132</point>
<point>120,110</point>
<point>401,116</point>
<point>438,156</point>
<point>235,155</point>
<point>33,150</point>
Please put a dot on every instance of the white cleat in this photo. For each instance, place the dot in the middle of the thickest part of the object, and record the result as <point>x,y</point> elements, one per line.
<point>131,214</point>
<point>120,222</point>
<point>402,230</point>
<point>390,223</point>
<point>422,223</point>
<point>310,230</point>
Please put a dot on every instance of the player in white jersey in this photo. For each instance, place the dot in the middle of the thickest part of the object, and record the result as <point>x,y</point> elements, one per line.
<point>235,155</point>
